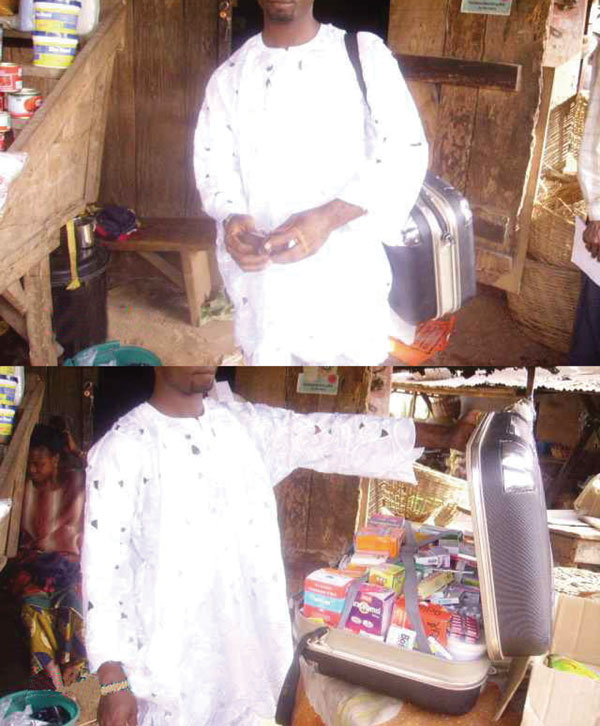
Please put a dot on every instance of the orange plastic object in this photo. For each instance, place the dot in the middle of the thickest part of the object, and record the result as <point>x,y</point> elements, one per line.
<point>432,337</point>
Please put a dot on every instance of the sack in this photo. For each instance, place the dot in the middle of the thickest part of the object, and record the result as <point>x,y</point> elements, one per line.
<point>115,223</point>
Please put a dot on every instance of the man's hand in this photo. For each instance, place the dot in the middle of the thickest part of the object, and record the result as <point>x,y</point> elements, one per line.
<point>303,234</point>
<point>118,709</point>
<point>591,237</point>
<point>240,247</point>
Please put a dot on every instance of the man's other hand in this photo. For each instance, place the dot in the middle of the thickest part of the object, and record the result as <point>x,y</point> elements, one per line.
<point>591,237</point>
<point>240,248</point>
<point>118,709</point>
<point>301,236</point>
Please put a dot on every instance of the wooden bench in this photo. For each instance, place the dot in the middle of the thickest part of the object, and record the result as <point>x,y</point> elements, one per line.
<point>192,239</point>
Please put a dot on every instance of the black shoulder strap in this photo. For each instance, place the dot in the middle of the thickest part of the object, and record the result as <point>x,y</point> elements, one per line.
<point>287,697</point>
<point>351,40</point>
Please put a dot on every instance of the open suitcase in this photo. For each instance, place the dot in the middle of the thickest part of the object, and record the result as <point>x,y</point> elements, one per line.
<point>515,571</point>
<point>433,264</point>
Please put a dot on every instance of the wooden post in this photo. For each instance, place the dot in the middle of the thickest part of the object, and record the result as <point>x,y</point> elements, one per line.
<point>13,318</point>
<point>98,131</point>
<point>196,273</point>
<point>39,315</point>
<point>14,467</point>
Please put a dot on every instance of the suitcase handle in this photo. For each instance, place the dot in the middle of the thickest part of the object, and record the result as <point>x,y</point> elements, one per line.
<point>287,697</point>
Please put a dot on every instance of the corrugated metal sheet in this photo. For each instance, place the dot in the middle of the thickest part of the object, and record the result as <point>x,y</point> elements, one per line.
<point>563,378</point>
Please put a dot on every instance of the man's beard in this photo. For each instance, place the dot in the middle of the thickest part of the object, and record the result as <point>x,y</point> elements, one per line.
<point>281,18</point>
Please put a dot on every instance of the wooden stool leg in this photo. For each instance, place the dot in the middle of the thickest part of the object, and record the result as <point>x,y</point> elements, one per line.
<point>196,273</point>
<point>39,315</point>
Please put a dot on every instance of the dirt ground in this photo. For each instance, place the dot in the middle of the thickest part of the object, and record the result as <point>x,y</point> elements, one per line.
<point>147,309</point>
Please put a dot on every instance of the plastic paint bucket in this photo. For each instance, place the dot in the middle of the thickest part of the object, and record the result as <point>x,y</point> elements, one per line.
<point>57,17</point>
<point>54,51</point>
<point>7,420</point>
<point>8,390</point>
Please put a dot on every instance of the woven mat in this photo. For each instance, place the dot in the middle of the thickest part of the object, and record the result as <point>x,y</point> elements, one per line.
<point>572,581</point>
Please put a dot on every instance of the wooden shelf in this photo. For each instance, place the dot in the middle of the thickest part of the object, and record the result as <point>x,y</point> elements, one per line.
<point>13,33</point>
<point>29,70</point>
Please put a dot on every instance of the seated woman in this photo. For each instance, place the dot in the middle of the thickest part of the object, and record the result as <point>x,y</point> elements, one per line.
<point>45,575</point>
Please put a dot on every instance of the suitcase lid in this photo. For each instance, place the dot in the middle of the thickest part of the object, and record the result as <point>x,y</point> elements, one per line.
<point>510,528</point>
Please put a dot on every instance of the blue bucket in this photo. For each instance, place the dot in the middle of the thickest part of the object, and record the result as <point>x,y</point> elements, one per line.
<point>114,354</point>
<point>19,701</point>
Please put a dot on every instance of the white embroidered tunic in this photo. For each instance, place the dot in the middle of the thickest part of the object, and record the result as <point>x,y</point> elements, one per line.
<point>589,159</point>
<point>182,564</point>
<point>284,130</point>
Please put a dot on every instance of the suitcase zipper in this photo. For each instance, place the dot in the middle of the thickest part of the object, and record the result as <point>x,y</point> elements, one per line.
<point>447,258</point>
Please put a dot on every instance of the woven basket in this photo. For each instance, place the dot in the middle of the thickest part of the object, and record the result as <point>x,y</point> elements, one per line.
<point>546,305</point>
<point>434,493</point>
<point>565,131</point>
<point>553,224</point>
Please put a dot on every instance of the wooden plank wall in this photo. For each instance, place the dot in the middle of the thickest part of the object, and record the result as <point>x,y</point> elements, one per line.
<point>317,512</point>
<point>159,82</point>
<point>64,396</point>
<point>481,140</point>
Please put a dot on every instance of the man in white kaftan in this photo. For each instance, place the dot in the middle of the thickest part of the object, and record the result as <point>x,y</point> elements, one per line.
<point>283,129</point>
<point>182,568</point>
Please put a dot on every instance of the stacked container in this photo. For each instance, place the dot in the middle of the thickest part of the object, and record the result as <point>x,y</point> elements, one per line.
<point>55,38</point>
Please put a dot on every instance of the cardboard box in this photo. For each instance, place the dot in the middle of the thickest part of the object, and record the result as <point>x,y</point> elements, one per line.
<point>325,593</point>
<point>556,698</point>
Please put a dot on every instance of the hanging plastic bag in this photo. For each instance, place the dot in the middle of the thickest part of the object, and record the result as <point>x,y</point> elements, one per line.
<point>11,165</point>
<point>88,16</point>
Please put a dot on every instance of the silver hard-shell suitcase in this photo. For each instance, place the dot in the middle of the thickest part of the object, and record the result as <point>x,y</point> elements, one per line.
<point>515,572</point>
<point>433,263</point>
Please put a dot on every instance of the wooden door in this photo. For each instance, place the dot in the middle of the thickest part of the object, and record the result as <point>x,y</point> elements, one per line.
<point>487,142</point>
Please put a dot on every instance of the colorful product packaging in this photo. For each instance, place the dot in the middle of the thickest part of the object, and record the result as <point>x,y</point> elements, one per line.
<point>433,557</point>
<point>389,576</point>
<point>371,611</point>
<point>325,593</point>
<point>379,540</point>
<point>464,628</point>
<point>387,520</point>
<point>436,620</point>
<point>459,595</point>
<point>433,583</point>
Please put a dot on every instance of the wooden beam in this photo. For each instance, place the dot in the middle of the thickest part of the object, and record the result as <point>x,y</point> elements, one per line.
<point>13,468</point>
<point>169,270</point>
<point>491,227</point>
<point>196,273</point>
<point>459,72</point>
<point>16,297</point>
<point>98,132</point>
<point>441,390</point>
<point>13,318</point>
<point>512,281</point>
<point>39,315</point>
